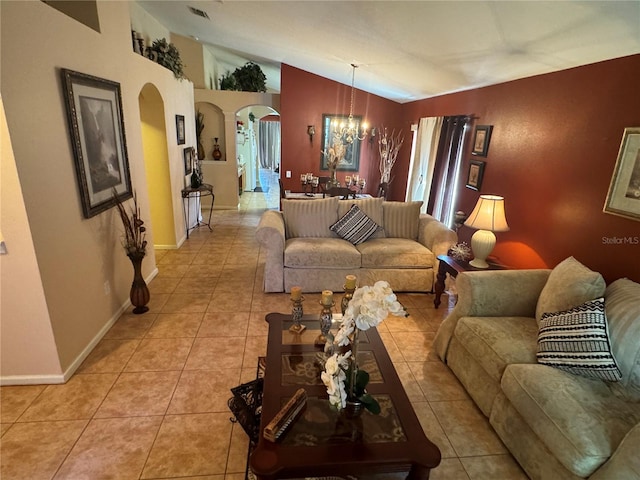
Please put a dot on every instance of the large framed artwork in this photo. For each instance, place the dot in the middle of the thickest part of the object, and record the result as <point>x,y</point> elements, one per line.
<point>623,198</point>
<point>351,160</point>
<point>94,114</point>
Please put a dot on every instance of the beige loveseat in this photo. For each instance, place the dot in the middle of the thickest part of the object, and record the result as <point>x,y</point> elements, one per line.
<point>300,249</point>
<point>558,425</point>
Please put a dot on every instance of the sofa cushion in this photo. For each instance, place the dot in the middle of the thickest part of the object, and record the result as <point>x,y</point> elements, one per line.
<point>577,341</point>
<point>310,218</point>
<point>371,206</point>
<point>577,418</point>
<point>495,342</point>
<point>570,284</point>
<point>622,306</point>
<point>320,253</point>
<point>355,226</point>
<point>401,219</point>
<point>395,253</point>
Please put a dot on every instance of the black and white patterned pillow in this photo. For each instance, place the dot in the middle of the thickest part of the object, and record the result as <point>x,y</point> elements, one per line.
<point>355,226</point>
<point>577,341</point>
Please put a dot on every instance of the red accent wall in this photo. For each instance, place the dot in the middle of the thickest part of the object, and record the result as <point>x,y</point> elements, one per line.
<point>552,153</point>
<point>304,98</point>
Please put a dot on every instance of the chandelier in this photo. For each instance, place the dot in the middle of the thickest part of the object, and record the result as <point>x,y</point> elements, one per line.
<point>350,131</point>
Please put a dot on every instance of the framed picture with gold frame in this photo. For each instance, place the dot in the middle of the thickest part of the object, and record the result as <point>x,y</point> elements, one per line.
<point>623,198</point>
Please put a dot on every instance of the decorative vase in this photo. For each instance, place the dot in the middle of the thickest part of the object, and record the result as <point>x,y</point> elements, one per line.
<point>139,294</point>
<point>201,153</point>
<point>333,179</point>
<point>217,154</point>
<point>196,179</point>
<point>353,408</point>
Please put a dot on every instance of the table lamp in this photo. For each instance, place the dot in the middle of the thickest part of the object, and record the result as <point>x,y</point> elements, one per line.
<point>487,217</point>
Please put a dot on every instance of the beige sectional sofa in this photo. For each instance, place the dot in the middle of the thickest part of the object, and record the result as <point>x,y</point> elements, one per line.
<point>300,249</point>
<point>556,423</point>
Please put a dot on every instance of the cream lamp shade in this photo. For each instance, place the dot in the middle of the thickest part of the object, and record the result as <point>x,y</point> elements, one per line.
<point>487,217</point>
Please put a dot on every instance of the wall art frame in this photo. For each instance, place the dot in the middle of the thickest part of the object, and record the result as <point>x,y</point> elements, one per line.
<point>351,160</point>
<point>481,139</point>
<point>476,174</point>
<point>188,155</point>
<point>623,197</point>
<point>180,132</point>
<point>96,128</point>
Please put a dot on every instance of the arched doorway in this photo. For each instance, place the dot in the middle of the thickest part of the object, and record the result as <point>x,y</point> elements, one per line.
<point>156,162</point>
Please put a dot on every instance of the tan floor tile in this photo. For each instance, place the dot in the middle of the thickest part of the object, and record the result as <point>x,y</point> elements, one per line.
<point>186,303</point>
<point>173,257</point>
<point>234,476</point>
<point>437,382</point>
<point>255,347</point>
<point>411,387</point>
<point>230,301</point>
<point>493,466</point>
<point>237,460</point>
<point>175,325</point>
<point>77,399</point>
<point>392,349</point>
<point>451,469</point>
<point>467,429</point>
<point>224,352</point>
<point>36,450</point>
<point>159,253</point>
<point>242,258</point>
<point>156,303</point>
<point>197,285</point>
<point>413,323</point>
<point>415,346</point>
<point>160,354</point>
<point>3,429</point>
<point>204,271</point>
<point>111,448</point>
<point>432,429</point>
<point>15,400</point>
<point>190,445</point>
<point>139,394</point>
<point>217,258</point>
<point>109,356</point>
<point>281,302</point>
<point>177,271</point>
<point>257,324</point>
<point>131,326</point>
<point>201,391</point>
<point>224,324</point>
<point>238,272</point>
<point>163,285</point>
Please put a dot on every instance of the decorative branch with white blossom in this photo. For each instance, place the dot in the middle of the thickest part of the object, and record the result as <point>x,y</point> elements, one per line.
<point>388,147</point>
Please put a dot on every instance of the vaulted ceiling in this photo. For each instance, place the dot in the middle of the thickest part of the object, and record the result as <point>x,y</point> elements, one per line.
<point>410,50</point>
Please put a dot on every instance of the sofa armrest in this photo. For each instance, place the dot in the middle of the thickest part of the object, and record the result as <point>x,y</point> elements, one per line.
<point>271,236</point>
<point>435,235</point>
<point>492,293</point>
<point>625,461</point>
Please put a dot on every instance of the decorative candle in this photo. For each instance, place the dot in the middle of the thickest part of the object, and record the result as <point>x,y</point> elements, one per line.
<point>350,282</point>
<point>296,293</point>
<point>327,298</point>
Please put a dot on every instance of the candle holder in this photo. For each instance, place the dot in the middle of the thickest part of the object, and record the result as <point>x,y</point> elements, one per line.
<point>296,314</point>
<point>348,295</point>
<point>326,317</point>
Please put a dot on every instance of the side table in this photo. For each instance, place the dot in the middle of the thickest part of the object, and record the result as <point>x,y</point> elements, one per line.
<point>204,190</point>
<point>453,267</point>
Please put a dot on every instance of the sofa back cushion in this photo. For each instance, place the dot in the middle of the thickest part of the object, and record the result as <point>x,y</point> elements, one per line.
<point>401,219</point>
<point>310,218</point>
<point>371,207</point>
<point>622,307</point>
<point>570,284</point>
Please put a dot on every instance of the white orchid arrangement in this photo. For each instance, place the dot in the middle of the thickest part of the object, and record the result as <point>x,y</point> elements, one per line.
<point>369,306</point>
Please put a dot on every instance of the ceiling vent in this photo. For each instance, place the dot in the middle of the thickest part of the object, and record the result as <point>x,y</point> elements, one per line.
<point>200,13</point>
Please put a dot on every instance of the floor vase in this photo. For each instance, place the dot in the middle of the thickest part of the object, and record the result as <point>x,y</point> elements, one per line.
<point>139,294</point>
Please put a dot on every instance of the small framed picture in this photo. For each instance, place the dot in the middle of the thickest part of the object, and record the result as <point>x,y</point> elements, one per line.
<point>476,172</point>
<point>180,129</point>
<point>481,140</point>
<point>188,153</point>
<point>623,198</point>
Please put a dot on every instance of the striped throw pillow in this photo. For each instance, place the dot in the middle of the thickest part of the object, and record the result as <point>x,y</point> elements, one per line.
<point>577,341</point>
<point>355,226</point>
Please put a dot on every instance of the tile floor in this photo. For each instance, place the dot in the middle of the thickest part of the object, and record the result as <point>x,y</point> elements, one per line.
<point>150,400</point>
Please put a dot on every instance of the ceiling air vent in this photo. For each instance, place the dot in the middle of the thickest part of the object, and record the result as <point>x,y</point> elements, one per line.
<point>200,13</point>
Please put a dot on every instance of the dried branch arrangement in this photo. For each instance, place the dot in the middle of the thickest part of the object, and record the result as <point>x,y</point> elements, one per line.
<point>388,146</point>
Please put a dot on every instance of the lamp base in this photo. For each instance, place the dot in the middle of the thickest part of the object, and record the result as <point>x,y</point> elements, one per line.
<point>482,243</point>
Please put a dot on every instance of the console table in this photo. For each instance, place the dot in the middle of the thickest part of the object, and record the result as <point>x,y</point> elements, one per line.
<point>453,267</point>
<point>204,190</point>
<point>323,442</point>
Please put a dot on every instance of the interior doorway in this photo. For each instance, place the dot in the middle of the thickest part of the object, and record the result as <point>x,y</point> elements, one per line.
<point>156,162</point>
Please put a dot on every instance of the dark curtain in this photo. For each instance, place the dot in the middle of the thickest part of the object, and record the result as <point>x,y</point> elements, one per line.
<point>447,169</point>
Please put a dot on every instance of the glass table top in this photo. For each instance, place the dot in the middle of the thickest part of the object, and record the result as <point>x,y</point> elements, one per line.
<point>312,331</point>
<point>305,368</point>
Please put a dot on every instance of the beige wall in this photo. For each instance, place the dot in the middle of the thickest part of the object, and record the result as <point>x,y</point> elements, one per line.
<point>77,256</point>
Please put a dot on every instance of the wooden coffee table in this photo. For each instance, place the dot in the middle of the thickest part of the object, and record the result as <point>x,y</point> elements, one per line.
<point>322,441</point>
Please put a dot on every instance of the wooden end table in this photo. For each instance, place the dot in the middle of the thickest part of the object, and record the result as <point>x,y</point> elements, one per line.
<point>323,442</point>
<point>453,267</point>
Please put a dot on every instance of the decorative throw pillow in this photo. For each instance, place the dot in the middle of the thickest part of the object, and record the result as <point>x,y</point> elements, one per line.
<point>355,226</point>
<point>570,284</point>
<point>577,341</point>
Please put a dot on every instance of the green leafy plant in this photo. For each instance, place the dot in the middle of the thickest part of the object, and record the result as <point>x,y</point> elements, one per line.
<point>167,55</point>
<point>228,82</point>
<point>248,78</point>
